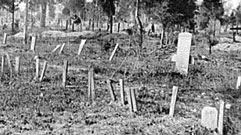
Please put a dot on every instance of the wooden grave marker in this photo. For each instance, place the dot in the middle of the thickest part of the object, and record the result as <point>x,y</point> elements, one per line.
<point>121,81</point>
<point>129,100</point>
<point>91,85</point>
<point>37,67</point>
<point>110,87</point>
<point>43,71</point>
<point>183,52</point>
<point>65,72</point>
<point>9,64</point>
<point>114,51</point>
<point>62,48</point>
<point>3,64</point>
<point>238,83</point>
<point>220,118</point>
<point>17,65</point>
<point>173,101</point>
<point>33,43</point>
<point>133,99</point>
<point>209,117</point>
<point>81,46</point>
<point>5,38</point>
<point>56,48</point>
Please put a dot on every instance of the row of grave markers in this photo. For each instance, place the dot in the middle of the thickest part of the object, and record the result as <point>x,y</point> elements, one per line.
<point>182,58</point>
<point>210,117</point>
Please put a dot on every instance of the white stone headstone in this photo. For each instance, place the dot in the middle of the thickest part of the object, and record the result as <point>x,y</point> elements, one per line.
<point>183,52</point>
<point>209,118</point>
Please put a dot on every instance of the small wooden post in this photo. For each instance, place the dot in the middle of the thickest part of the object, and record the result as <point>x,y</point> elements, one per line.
<point>238,82</point>
<point>92,84</point>
<point>43,71</point>
<point>129,100</point>
<point>173,101</point>
<point>33,43</point>
<point>89,85</point>
<point>55,49</point>
<point>133,99</point>
<point>220,118</point>
<point>121,81</point>
<point>81,46</point>
<point>37,68</point>
<point>112,94</point>
<point>65,72</point>
<point>62,48</point>
<point>3,64</point>
<point>113,53</point>
<point>5,38</point>
<point>17,64</point>
<point>9,65</point>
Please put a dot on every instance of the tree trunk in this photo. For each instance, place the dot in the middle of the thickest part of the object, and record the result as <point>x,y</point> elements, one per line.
<point>13,7</point>
<point>111,23</point>
<point>66,24</point>
<point>25,31</point>
<point>43,14</point>
<point>118,27</point>
<point>139,23</point>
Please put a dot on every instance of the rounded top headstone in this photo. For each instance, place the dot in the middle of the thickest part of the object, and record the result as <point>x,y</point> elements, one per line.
<point>209,117</point>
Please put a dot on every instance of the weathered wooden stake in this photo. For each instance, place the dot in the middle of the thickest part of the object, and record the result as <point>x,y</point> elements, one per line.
<point>92,84</point>
<point>17,64</point>
<point>113,53</point>
<point>173,101</point>
<point>238,82</point>
<point>81,46</point>
<point>65,72</point>
<point>133,99</point>
<point>5,38</point>
<point>62,48</point>
<point>129,100</point>
<point>9,65</point>
<point>56,48</point>
<point>121,81</point>
<point>89,85</point>
<point>3,64</point>
<point>33,43</point>
<point>220,118</point>
<point>112,94</point>
<point>43,71</point>
<point>37,68</point>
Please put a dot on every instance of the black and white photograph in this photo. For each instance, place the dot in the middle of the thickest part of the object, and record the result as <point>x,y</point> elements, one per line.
<point>120,67</point>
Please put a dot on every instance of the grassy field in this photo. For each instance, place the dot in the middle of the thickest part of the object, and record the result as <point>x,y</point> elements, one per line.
<point>46,108</point>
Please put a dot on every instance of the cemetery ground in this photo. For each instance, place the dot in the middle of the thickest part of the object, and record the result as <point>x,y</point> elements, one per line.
<point>29,106</point>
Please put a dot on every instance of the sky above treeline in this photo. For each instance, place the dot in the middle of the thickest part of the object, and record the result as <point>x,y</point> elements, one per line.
<point>229,5</point>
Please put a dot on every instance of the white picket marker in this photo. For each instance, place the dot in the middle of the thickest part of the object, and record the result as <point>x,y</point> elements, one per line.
<point>56,48</point>
<point>17,64</point>
<point>3,64</point>
<point>43,71</point>
<point>81,46</point>
<point>238,82</point>
<point>62,48</point>
<point>121,81</point>
<point>33,43</point>
<point>113,53</point>
<point>220,118</point>
<point>5,38</point>
<point>37,67</point>
<point>173,101</point>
